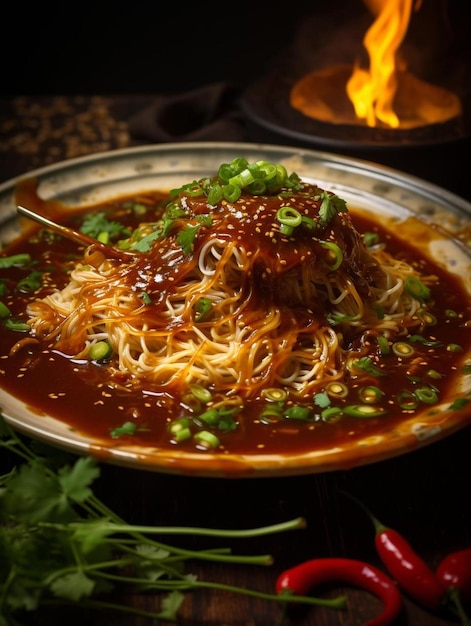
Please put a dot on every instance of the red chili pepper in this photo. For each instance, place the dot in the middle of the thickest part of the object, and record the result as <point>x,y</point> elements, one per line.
<point>454,572</point>
<point>301,578</point>
<point>410,571</point>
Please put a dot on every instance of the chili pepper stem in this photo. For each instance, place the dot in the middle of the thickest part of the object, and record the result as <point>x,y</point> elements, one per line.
<point>455,599</point>
<point>378,525</point>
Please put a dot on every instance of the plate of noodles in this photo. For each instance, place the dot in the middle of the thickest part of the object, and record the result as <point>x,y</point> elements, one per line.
<point>234,310</point>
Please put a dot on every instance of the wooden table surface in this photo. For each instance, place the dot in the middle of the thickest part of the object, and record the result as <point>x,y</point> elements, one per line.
<point>424,494</point>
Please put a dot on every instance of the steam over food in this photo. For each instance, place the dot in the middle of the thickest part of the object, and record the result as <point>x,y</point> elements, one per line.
<point>250,297</point>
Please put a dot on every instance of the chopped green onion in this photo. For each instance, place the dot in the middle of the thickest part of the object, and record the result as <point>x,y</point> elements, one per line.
<point>16,325</point>
<point>337,390</point>
<point>206,440</point>
<point>4,310</point>
<point>407,400</point>
<point>232,193</point>
<point>100,351</point>
<point>334,255</point>
<point>416,288</point>
<point>271,415</point>
<point>179,424</point>
<point>427,394</point>
<point>29,283</point>
<point>200,392</point>
<point>370,239</point>
<point>104,237</point>
<point>331,414</point>
<point>14,260</point>
<point>257,188</point>
<point>403,349</point>
<point>202,308</point>
<point>383,344</point>
<point>274,394</point>
<point>242,179</point>
<point>296,413</point>
<point>458,404</point>
<point>211,417</point>
<point>370,394</point>
<point>454,347</point>
<point>289,218</point>
<point>146,298</point>
<point>364,410</point>
<point>193,190</point>
<point>425,342</point>
<point>427,317</point>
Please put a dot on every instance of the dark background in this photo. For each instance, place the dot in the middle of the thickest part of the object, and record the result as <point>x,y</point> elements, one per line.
<point>155,47</point>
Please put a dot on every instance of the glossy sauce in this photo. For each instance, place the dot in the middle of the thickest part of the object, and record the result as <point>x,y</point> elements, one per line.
<point>82,394</point>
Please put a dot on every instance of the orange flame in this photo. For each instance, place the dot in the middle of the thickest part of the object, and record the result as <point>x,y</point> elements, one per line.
<point>385,94</point>
<point>372,91</point>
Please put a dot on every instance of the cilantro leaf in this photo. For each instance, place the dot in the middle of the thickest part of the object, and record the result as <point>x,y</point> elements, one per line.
<point>33,494</point>
<point>322,400</point>
<point>145,244</point>
<point>365,364</point>
<point>76,480</point>
<point>171,605</point>
<point>331,205</point>
<point>73,586</point>
<point>186,238</point>
<point>95,224</point>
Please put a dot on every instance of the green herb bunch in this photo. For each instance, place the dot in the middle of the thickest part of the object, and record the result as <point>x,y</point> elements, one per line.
<point>61,545</point>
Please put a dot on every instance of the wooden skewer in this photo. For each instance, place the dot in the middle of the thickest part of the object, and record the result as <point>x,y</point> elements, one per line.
<point>75,235</point>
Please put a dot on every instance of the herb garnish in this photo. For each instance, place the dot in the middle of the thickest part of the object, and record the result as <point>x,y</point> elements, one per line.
<point>96,224</point>
<point>330,206</point>
<point>61,545</point>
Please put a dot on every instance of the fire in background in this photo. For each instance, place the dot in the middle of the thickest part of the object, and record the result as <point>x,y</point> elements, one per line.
<point>377,89</point>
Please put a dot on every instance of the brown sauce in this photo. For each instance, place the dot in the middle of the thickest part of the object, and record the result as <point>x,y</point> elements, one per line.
<point>83,394</point>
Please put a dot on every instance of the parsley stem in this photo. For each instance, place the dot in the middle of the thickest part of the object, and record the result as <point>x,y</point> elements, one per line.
<point>336,603</point>
<point>292,524</point>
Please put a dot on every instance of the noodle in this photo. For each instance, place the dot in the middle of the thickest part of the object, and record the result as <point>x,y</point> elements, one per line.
<point>281,313</point>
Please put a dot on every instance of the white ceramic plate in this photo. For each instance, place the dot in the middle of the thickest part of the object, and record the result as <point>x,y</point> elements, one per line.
<point>364,185</point>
